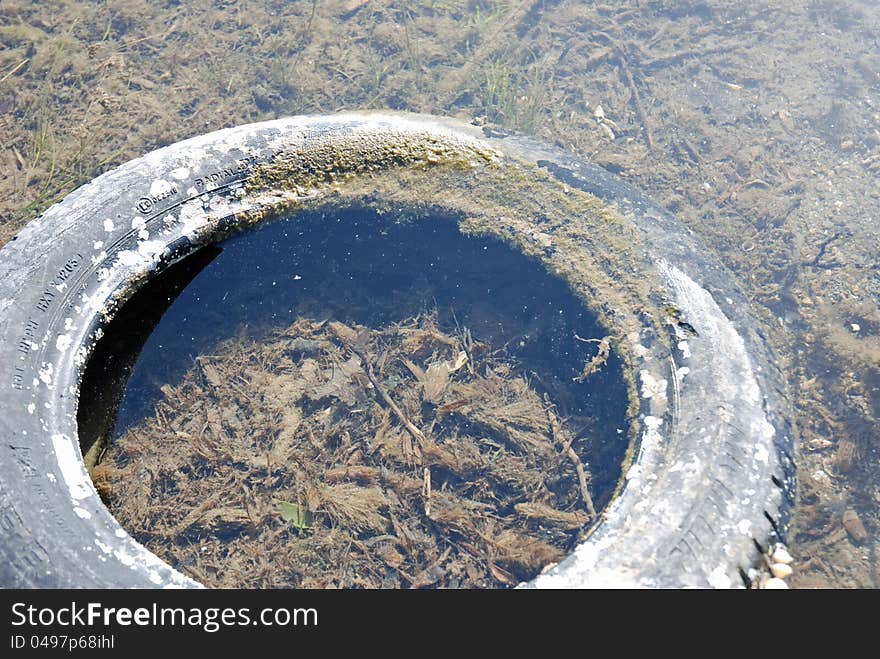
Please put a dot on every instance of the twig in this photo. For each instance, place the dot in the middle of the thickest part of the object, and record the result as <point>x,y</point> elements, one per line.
<point>627,75</point>
<point>426,491</point>
<point>671,58</point>
<point>692,152</point>
<point>596,362</point>
<point>636,100</point>
<point>162,36</point>
<point>569,452</point>
<point>194,516</point>
<point>566,446</point>
<point>582,481</point>
<point>413,430</point>
<point>22,163</point>
<point>592,60</point>
<point>15,68</point>
<point>343,74</point>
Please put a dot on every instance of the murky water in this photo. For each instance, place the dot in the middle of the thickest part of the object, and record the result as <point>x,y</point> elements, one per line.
<point>757,125</point>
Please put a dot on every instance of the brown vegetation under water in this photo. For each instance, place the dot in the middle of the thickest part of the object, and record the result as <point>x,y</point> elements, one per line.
<point>337,456</point>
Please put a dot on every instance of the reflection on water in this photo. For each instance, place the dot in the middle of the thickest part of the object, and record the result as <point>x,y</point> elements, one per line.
<point>756,124</point>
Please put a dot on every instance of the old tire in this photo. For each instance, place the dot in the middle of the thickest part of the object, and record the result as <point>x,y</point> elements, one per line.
<point>711,477</point>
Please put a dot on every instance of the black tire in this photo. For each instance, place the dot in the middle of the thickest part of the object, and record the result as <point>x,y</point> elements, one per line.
<point>712,477</point>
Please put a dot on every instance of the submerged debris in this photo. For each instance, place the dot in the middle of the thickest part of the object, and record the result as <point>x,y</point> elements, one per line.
<point>340,456</point>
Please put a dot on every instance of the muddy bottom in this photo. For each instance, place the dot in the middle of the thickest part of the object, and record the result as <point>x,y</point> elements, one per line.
<point>330,455</point>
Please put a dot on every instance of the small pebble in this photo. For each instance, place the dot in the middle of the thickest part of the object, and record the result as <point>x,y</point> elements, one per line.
<point>856,327</point>
<point>781,570</point>
<point>775,584</point>
<point>819,444</point>
<point>781,555</point>
<point>853,525</point>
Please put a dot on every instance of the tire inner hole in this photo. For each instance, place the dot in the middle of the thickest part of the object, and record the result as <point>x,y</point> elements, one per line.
<point>355,399</point>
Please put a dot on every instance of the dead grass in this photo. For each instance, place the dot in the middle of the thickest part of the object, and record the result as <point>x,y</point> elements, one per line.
<point>282,463</point>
